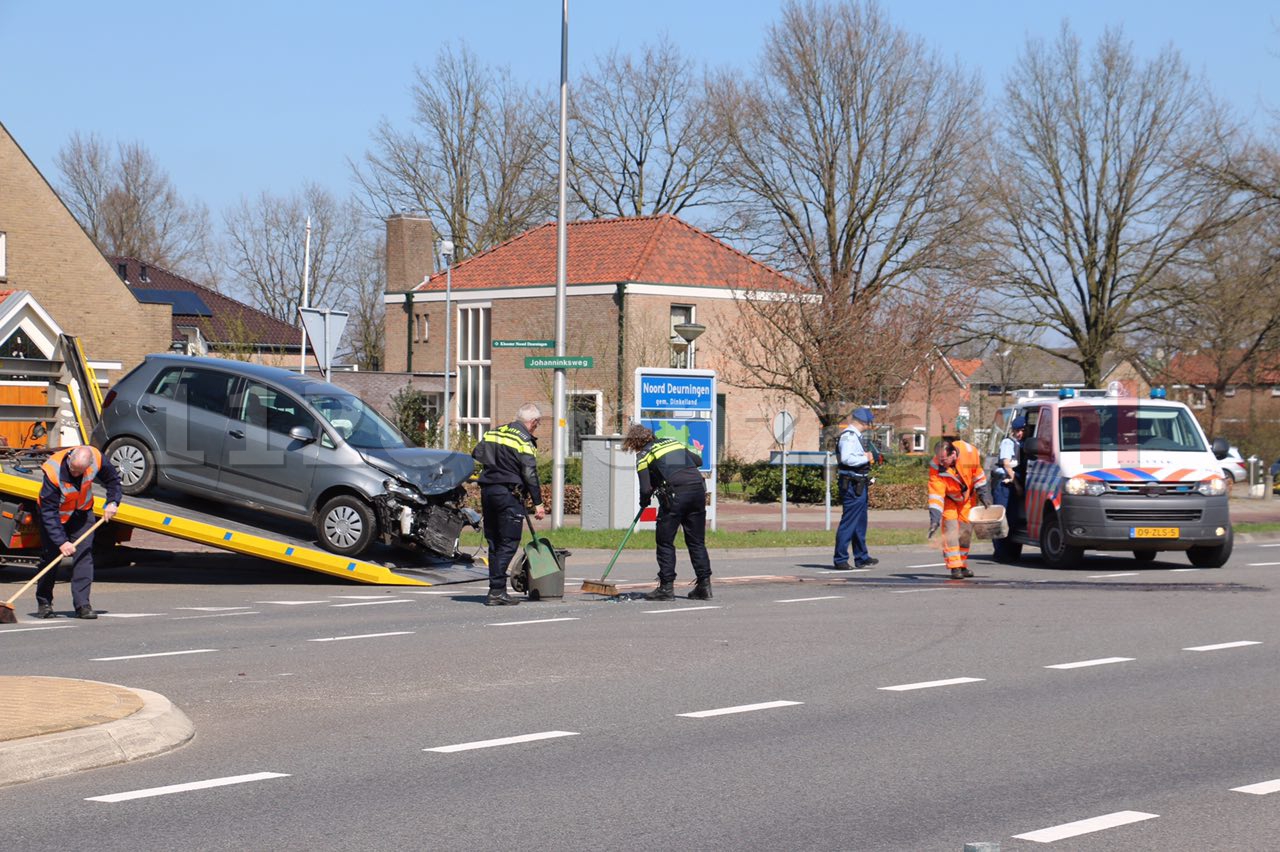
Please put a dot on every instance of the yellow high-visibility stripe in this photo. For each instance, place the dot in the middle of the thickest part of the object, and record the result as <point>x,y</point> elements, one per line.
<point>664,447</point>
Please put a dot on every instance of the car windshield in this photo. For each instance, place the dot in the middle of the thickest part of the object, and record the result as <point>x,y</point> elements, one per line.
<point>357,422</point>
<point>1114,428</point>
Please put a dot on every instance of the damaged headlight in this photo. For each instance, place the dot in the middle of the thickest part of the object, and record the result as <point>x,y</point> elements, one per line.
<point>401,490</point>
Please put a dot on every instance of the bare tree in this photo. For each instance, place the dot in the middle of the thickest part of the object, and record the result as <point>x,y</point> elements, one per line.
<point>641,139</point>
<point>1095,196</point>
<point>473,161</point>
<point>265,250</point>
<point>128,205</point>
<point>366,327</point>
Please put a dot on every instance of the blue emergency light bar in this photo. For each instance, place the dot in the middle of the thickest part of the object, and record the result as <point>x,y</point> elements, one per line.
<point>1158,393</point>
<point>1067,393</point>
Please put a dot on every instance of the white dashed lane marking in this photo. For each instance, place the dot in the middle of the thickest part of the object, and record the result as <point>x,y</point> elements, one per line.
<point>33,629</point>
<point>1260,789</point>
<point>930,565</point>
<point>211,608</point>
<point>533,621</point>
<point>523,738</point>
<point>215,615</point>
<point>1102,576</point>
<point>1084,826</point>
<point>929,684</point>
<point>679,609</point>
<point>1221,647</point>
<point>290,603</point>
<point>743,708</point>
<point>1085,663</point>
<point>358,597</point>
<point>127,614</point>
<point>362,636</point>
<point>1262,564</point>
<point>803,600</point>
<point>373,603</point>
<point>186,788</point>
<point>158,654</point>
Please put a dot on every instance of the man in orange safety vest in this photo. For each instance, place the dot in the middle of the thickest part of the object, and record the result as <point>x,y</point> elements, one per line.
<point>957,483</point>
<point>66,512</point>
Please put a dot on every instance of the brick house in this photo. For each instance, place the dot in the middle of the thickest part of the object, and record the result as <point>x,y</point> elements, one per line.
<point>1247,410</point>
<point>44,251</point>
<point>630,281</point>
<point>933,401</point>
<point>206,322</point>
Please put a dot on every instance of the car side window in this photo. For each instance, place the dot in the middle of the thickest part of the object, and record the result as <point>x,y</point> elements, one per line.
<point>269,408</point>
<point>166,384</point>
<point>206,389</point>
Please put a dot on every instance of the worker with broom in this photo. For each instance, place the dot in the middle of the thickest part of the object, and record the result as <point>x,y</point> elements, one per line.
<point>509,456</point>
<point>670,469</point>
<point>66,512</point>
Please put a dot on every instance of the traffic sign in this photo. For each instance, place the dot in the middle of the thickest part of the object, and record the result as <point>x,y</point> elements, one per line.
<point>524,344</point>
<point>558,362</point>
<point>784,428</point>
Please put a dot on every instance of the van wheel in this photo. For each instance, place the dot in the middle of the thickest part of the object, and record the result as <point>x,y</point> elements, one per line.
<point>136,465</point>
<point>1212,556</point>
<point>1144,555</point>
<point>1053,543</point>
<point>346,525</point>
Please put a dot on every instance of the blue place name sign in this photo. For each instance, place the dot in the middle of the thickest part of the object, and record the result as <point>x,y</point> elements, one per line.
<point>676,393</point>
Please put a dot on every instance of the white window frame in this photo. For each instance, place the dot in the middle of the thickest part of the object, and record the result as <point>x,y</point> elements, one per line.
<point>1229,390</point>
<point>474,368</point>
<point>599,398</point>
<point>4,266</point>
<point>1275,390</point>
<point>689,348</point>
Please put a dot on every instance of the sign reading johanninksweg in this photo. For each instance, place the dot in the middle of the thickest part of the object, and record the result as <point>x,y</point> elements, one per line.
<point>676,393</point>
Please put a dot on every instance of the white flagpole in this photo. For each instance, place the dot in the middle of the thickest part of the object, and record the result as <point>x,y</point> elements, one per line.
<point>306,296</point>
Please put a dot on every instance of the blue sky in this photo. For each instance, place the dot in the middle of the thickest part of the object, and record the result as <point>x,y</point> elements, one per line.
<point>238,97</point>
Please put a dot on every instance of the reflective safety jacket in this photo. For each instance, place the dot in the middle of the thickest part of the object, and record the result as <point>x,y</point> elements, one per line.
<point>957,486</point>
<point>61,496</point>
<point>667,462</point>
<point>509,456</point>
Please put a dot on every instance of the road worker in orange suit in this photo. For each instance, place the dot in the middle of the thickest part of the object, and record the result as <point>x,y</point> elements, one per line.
<point>957,483</point>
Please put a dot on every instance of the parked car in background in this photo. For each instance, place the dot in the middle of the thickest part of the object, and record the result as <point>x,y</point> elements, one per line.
<point>1234,467</point>
<point>287,444</point>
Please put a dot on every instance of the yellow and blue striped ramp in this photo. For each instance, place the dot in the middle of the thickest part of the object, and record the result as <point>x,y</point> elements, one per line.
<point>226,537</point>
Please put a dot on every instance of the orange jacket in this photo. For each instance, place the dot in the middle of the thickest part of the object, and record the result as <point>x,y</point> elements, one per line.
<point>959,485</point>
<point>74,498</point>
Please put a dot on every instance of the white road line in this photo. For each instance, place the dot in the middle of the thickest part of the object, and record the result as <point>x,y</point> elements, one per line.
<point>930,565</point>
<point>358,597</point>
<point>914,591</point>
<point>743,708</point>
<point>214,615</point>
<point>1222,646</point>
<point>846,571</point>
<point>362,636</point>
<point>932,683</point>
<point>373,603</point>
<point>1182,570</point>
<point>1084,826</point>
<point>1259,789</point>
<point>1263,564</point>
<point>802,600</point>
<point>1269,545</point>
<point>289,603</point>
<point>1123,574</point>
<point>127,614</point>
<point>31,629</point>
<point>211,608</point>
<point>185,788</point>
<point>679,609</point>
<point>523,738</point>
<point>534,621</point>
<point>160,654</point>
<point>1084,663</point>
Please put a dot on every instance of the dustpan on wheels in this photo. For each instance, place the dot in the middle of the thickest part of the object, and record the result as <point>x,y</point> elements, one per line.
<point>539,554</point>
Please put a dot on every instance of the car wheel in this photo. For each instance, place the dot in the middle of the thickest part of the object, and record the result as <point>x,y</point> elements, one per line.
<point>346,525</point>
<point>1229,476</point>
<point>136,465</point>
<point>1145,555</point>
<point>1212,556</point>
<point>1053,543</point>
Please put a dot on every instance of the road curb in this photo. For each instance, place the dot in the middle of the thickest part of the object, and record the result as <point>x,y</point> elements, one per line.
<point>156,728</point>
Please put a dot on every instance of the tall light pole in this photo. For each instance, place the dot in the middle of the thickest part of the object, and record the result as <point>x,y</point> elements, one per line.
<point>306,296</point>
<point>562,251</point>
<point>446,254</point>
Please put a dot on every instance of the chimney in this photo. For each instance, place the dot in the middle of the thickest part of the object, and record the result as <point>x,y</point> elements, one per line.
<point>410,250</point>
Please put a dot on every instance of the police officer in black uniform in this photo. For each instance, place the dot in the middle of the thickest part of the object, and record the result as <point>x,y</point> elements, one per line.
<point>670,469</point>
<point>509,456</point>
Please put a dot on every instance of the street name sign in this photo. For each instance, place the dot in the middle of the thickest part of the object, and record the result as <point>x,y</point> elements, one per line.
<point>558,362</point>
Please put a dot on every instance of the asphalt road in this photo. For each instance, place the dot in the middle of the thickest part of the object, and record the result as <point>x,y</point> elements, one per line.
<point>891,709</point>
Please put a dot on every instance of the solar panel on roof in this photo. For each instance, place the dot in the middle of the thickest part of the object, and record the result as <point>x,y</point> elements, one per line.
<point>184,302</point>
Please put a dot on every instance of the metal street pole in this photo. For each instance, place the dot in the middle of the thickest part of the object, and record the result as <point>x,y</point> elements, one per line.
<point>446,249</point>
<point>306,297</point>
<point>562,243</point>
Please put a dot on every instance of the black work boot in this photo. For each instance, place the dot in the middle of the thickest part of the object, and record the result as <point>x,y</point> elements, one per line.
<point>85,611</point>
<point>965,572</point>
<point>45,610</point>
<point>500,598</point>
<point>701,591</point>
<point>664,592</point>
<point>957,573</point>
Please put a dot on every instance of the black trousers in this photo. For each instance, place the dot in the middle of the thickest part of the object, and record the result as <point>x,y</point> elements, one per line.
<point>686,509</point>
<point>81,565</point>
<point>503,524</point>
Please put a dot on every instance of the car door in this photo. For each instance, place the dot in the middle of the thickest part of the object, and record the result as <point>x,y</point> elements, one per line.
<point>194,427</point>
<point>261,463</point>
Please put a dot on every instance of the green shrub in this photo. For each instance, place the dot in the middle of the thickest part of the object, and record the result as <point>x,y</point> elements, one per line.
<point>411,417</point>
<point>572,471</point>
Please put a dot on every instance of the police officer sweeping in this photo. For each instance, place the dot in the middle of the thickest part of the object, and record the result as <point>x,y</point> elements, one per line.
<point>509,455</point>
<point>66,511</point>
<point>669,469</point>
<point>855,455</point>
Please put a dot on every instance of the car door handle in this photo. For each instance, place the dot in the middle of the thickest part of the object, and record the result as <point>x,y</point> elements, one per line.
<point>237,433</point>
<point>150,409</point>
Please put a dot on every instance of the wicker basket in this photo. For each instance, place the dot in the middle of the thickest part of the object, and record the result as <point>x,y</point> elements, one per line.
<point>989,522</point>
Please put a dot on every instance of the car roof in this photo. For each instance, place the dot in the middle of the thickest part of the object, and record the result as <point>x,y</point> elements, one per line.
<point>277,375</point>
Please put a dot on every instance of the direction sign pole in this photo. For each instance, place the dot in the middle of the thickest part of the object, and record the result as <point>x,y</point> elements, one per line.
<point>562,253</point>
<point>784,487</point>
<point>826,491</point>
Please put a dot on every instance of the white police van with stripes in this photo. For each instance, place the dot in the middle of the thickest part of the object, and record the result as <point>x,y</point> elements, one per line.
<point>1099,470</point>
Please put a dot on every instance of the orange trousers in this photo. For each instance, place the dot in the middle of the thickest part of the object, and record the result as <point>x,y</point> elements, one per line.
<point>957,533</point>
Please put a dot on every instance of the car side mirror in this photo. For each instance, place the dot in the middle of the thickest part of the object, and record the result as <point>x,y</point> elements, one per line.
<point>301,433</point>
<point>1220,448</point>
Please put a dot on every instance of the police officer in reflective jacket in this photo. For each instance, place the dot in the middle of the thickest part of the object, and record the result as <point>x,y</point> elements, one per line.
<point>669,469</point>
<point>509,455</point>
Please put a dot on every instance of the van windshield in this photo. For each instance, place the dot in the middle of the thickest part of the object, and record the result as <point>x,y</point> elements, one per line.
<point>357,422</point>
<point>1115,428</point>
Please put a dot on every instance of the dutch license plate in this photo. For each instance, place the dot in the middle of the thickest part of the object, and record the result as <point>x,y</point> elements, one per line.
<point>1153,532</point>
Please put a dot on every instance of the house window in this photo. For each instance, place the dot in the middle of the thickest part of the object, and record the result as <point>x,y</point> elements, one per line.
<point>419,328</point>
<point>1229,390</point>
<point>918,440</point>
<point>3,265</point>
<point>472,355</point>
<point>1196,398</point>
<point>1275,390</point>
<point>145,275</point>
<point>681,352</point>
<point>584,417</point>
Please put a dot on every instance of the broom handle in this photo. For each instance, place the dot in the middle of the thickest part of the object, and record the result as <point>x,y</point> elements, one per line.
<point>53,562</point>
<point>618,552</point>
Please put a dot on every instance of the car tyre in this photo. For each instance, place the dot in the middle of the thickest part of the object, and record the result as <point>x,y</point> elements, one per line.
<point>136,464</point>
<point>1145,555</point>
<point>346,525</point>
<point>1212,556</point>
<point>1053,543</point>
<point>1229,476</point>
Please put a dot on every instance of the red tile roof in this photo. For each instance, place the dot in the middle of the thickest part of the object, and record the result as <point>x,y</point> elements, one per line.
<point>965,367</point>
<point>230,320</point>
<point>643,249</point>
<point>4,294</point>
<point>1200,368</point>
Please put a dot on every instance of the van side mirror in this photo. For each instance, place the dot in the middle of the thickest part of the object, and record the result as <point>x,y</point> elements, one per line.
<point>1220,448</point>
<point>301,433</point>
<point>1031,446</point>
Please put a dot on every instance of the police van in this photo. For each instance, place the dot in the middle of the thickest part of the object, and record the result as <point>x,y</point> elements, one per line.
<point>1099,470</point>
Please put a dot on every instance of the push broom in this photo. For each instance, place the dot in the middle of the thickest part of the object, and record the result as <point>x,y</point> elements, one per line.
<point>7,615</point>
<point>601,586</point>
